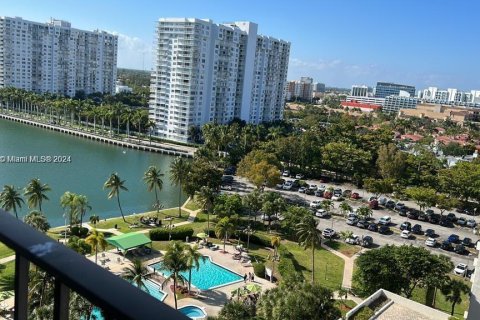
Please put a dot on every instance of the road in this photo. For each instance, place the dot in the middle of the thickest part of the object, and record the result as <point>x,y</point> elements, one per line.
<point>242,186</point>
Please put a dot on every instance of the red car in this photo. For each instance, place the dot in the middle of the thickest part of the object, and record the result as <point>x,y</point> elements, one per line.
<point>327,195</point>
<point>373,204</point>
<point>355,195</point>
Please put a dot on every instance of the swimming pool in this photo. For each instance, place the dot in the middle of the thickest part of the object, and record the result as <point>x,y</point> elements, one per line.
<point>208,276</point>
<point>193,312</point>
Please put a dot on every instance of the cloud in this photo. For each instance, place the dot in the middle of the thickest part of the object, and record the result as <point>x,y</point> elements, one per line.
<point>133,52</point>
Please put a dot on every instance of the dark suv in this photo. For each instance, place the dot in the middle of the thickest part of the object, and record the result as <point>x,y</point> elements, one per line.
<point>406,226</point>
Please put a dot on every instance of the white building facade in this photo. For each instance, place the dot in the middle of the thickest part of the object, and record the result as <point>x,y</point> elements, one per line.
<point>54,57</point>
<point>206,72</point>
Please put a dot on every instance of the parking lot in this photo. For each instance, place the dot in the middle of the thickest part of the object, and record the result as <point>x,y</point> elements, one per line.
<point>339,224</point>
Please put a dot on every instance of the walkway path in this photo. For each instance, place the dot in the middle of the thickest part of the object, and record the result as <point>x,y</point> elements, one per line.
<point>7,259</point>
<point>347,269</point>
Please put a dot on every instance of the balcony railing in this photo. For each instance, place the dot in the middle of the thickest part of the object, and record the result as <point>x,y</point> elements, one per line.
<point>115,296</point>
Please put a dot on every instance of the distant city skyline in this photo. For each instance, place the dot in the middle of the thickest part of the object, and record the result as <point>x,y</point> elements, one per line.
<point>339,43</point>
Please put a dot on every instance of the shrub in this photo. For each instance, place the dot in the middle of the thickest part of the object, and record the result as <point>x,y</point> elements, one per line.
<point>256,239</point>
<point>365,313</point>
<point>286,268</point>
<point>80,232</point>
<point>259,269</point>
<point>177,233</point>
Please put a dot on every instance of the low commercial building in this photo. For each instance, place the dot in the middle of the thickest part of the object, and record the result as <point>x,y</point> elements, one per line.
<point>443,112</point>
<point>364,107</point>
<point>395,103</point>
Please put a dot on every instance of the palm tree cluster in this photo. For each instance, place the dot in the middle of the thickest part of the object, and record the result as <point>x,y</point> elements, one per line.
<point>75,206</point>
<point>86,113</point>
<point>180,258</point>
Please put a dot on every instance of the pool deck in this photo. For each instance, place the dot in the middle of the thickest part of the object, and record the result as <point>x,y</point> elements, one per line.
<point>213,300</point>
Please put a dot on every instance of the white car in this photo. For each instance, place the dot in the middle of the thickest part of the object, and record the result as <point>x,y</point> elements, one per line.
<point>430,242</point>
<point>286,173</point>
<point>471,223</point>
<point>328,233</point>
<point>337,197</point>
<point>321,187</point>
<point>405,234</point>
<point>315,203</point>
<point>288,185</point>
<point>354,239</point>
<point>460,269</point>
<point>321,213</point>
<point>385,220</point>
<point>312,187</point>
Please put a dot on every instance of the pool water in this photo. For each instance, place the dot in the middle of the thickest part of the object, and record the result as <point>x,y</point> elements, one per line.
<point>209,275</point>
<point>193,312</point>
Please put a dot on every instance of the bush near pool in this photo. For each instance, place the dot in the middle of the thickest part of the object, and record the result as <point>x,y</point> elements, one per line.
<point>177,233</point>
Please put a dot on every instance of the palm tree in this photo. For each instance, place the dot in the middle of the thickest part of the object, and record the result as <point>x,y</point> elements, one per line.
<point>309,237</point>
<point>364,212</point>
<point>10,199</point>
<point>345,208</point>
<point>206,198</point>
<point>178,173</point>
<point>453,291</point>
<point>35,193</point>
<point>96,239</point>
<point>115,184</point>
<point>223,228</point>
<point>94,219</point>
<point>344,235</point>
<point>153,179</point>
<point>37,220</point>
<point>67,200</point>
<point>175,261</point>
<point>327,205</point>
<point>193,261</point>
<point>136,273</point>
<point>275,242</point>
<point>82,206</point>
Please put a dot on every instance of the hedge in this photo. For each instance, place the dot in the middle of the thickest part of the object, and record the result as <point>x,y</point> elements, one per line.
<point>264,242</point>
<point>80,232</point>
<point>177,233</point>
<point>259,269</point>
<point>286,268</point>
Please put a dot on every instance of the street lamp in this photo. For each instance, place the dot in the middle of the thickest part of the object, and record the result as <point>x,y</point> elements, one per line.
<point>248,231</point>
<point>169,228</point>
<point>65,231</point>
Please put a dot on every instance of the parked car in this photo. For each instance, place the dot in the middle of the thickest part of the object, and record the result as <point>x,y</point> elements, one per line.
<point>327,195</point>
<point>434,218</point>
<point>337,191</point>
<point>390,204</point>
<point>286,173</point>
<point>471,223</point>
<point>453,238</point>
<point>417,229</point>
<point>312,187</point>
<point>430,242</point>
<point>412,214</point>
<point>399,206</point>
<point>355,195</point>
<point>280,185</point>
<point>362,224</point>
<point>367,241</point>
<point>460,249</point>
<point>445,222</point>
<point>405,234</point>
<point>337,197</point>
<point>352,221</point>
<point>430,233</point>
<point>315,203</point>
<point>321,213</point>
<point>422,216</point>
<point>321,187</point>
<point>302,189</point>
<point>461,221</point>
<point>328,233</point>
<point>347,193</point>
<point>373,204</point>
<point>384,230</point>
<point>446,245</point>
<point>232,170</point>
<point>402,211</point>
<point>299,176</point>
<point>461,269</point>
<point>354,239</point>
<point>385,220</point>
<point>406,226</point>
<point>467,242</point>
<point>451,216</point>
<point>288,185</point>
<point>309,191</point>
<point>319,193</point>
<point>382,201</point>
<point>373,227</point>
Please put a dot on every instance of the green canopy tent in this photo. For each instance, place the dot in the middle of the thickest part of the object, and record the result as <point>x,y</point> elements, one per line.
<point>129,241</point>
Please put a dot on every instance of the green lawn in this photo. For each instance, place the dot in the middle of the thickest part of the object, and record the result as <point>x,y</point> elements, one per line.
<point>5,251</point>
<point>345,307</point>
<point>124,227</point>
<point>328,267</point>
<point>342,247</point>
<point>419,295</point>
<point>192,205</point>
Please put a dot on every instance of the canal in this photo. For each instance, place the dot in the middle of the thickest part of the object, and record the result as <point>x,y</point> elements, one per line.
<point>83,167</point>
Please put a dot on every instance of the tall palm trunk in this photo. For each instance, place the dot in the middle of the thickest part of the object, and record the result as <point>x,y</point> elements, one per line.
<point>175,289</point>
<point>313,262</point>
<point>96,253</point>
<point>180,202</point>
<point>120,207</point>
<point>156,198</point>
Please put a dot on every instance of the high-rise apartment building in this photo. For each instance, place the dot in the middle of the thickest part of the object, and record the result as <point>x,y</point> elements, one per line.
<point>359,91</point>
<point>54,57</point>
<point>385,89</point>
<point>300,89</point>
<point>207,72</point>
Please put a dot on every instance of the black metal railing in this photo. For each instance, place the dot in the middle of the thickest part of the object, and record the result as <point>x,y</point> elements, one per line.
<point>115,296</point>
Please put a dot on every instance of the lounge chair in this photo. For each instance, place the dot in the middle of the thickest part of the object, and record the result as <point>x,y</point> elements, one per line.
<point>247,263</point>
<point>215,247</point>
<point>236,257</point>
